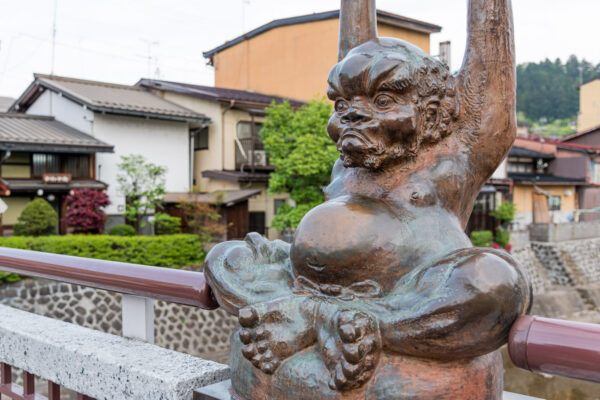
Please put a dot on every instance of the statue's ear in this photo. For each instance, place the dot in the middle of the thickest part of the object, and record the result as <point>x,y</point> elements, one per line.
<point>430,121</point>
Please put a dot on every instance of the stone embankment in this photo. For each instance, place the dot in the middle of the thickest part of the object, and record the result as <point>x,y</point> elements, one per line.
<point>565,274</point>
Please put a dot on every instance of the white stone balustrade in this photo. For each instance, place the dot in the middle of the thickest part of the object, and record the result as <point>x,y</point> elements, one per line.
<point>100,365</point>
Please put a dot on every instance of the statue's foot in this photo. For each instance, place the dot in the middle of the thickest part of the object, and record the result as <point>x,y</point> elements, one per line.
<point>274,331</point>
<point>360,349</point>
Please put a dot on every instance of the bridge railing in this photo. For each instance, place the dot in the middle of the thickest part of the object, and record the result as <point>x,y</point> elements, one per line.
<point>538,344</point>
<point>139,284</point>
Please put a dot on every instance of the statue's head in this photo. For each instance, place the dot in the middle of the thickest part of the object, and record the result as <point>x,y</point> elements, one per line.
<point>391,99</point>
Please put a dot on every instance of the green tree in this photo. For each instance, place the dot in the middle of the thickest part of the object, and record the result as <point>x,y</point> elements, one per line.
<point>297,144</point>
<point>37,218</point>
<point>548,89</point>
<point>143,185</point>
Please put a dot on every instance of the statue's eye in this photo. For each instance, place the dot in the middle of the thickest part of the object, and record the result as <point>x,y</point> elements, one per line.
<point>383,101</point>
<point>341,105</point>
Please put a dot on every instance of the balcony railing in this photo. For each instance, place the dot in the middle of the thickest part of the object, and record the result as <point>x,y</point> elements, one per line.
<point>98,365</point>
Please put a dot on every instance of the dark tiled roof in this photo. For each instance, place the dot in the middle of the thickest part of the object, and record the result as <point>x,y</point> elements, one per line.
<point>109,97</point>
<point>523,152</point>
<point>382,16</point>
<point>237,176</point>
<point>5,103</point>
<point>226,197</point>
<point>22,132</point>
<point>544,179</point>
<point>595,129</point>
<point>216,93</point>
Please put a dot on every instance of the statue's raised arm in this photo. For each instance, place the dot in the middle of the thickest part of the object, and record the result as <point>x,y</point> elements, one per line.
<point>486,86</point>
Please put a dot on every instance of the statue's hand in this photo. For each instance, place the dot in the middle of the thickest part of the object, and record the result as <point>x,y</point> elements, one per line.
<point>250,271</point>
<point>276,330</point>
<point>353,352</point>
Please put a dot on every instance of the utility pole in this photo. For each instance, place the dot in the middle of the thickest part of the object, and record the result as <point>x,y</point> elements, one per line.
<point>53,38</point>
<point>244,4</point>
<point>152,58</point>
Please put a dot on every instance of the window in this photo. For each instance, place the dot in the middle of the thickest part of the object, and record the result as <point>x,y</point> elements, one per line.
<point>276,204</point>
<point>520,168</point>
<point>200,138</point>
<point>45,164</point>
<point>596,171</point>
<point>78,165</point>
<point>554,203</point>
<point>246,143</point>
<point>257,222</point>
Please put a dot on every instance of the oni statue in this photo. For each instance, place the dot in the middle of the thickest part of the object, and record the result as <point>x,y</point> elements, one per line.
<point>381,295</point>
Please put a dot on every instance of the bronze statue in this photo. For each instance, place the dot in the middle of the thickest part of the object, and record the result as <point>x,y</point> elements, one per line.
<point>381,294</point>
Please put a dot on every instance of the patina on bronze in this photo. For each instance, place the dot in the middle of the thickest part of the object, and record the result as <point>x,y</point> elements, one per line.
<point>381,294</point>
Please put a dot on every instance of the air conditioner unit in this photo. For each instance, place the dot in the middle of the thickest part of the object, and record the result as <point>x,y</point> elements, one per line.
<point>259,157</point>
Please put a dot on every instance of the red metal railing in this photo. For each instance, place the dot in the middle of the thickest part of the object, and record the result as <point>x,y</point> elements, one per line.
<point>556,347</point>
<point>27,391</point>
<point>174,285</point>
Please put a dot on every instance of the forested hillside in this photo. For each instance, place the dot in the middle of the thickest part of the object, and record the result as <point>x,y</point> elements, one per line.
<point>548,89</point>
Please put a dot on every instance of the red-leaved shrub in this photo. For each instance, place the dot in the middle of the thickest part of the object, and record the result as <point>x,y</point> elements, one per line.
<point>84,211</point>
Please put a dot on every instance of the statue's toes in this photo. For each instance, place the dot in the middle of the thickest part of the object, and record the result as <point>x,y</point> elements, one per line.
<point>248,317</point>
<point>249,351</point>
<point>349,333</point>
<point>245,336</point>
<point>354,352</point>
<point>351,371</point>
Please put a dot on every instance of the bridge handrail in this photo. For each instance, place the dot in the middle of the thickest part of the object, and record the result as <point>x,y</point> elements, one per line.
<point>169,284</point>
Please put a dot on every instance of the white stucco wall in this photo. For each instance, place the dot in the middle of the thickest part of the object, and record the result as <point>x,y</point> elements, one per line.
<point>63,110</point>
<point>163,143</point>
<point>500,172</point>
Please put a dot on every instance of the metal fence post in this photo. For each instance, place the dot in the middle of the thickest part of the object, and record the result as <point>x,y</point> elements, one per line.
<point>138,318</point>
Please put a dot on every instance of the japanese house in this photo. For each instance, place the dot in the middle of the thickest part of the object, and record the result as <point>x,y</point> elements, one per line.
<point>130,118</point>
<point>42,157</point>
<point>229,156</point>
<point>306,48</point>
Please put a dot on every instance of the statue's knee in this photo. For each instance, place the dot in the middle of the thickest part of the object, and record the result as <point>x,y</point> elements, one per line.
<point>496,276</point>
<point>227,255</point>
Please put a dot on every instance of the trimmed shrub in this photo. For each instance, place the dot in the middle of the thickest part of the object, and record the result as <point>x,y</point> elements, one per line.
<point>164,224</point>
<point>502,237</point>
<point>505,212</point>
<point>122,230</point>
<point>162,251</point>
<point>482,238</point>
<point>85,212</point>
<point>37,218</point>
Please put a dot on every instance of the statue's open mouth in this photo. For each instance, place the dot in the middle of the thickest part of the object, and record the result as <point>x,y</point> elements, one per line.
<point>352,141</point>
<point>354,134</point>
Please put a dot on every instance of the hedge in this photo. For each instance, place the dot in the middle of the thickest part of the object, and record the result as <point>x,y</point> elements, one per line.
<point>162,251</point>
<point>482,238</point>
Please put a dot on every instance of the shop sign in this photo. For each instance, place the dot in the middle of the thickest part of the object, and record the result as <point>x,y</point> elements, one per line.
<point>56,178</point>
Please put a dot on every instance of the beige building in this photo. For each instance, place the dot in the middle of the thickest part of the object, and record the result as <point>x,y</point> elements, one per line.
<point>229,156</point>
<point>589,106</point>
<point>292,57</point>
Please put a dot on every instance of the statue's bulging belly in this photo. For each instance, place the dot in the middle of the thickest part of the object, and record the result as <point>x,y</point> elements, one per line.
<point>349,240</point>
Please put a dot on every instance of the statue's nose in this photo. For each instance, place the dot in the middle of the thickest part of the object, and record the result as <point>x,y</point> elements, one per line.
<point>355,115</point>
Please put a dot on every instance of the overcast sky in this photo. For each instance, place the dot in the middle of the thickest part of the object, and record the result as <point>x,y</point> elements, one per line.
<point>123,40</point>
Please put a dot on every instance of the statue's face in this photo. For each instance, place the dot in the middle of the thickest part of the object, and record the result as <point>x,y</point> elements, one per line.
<point>387,103</point>
<point>371,130</point>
